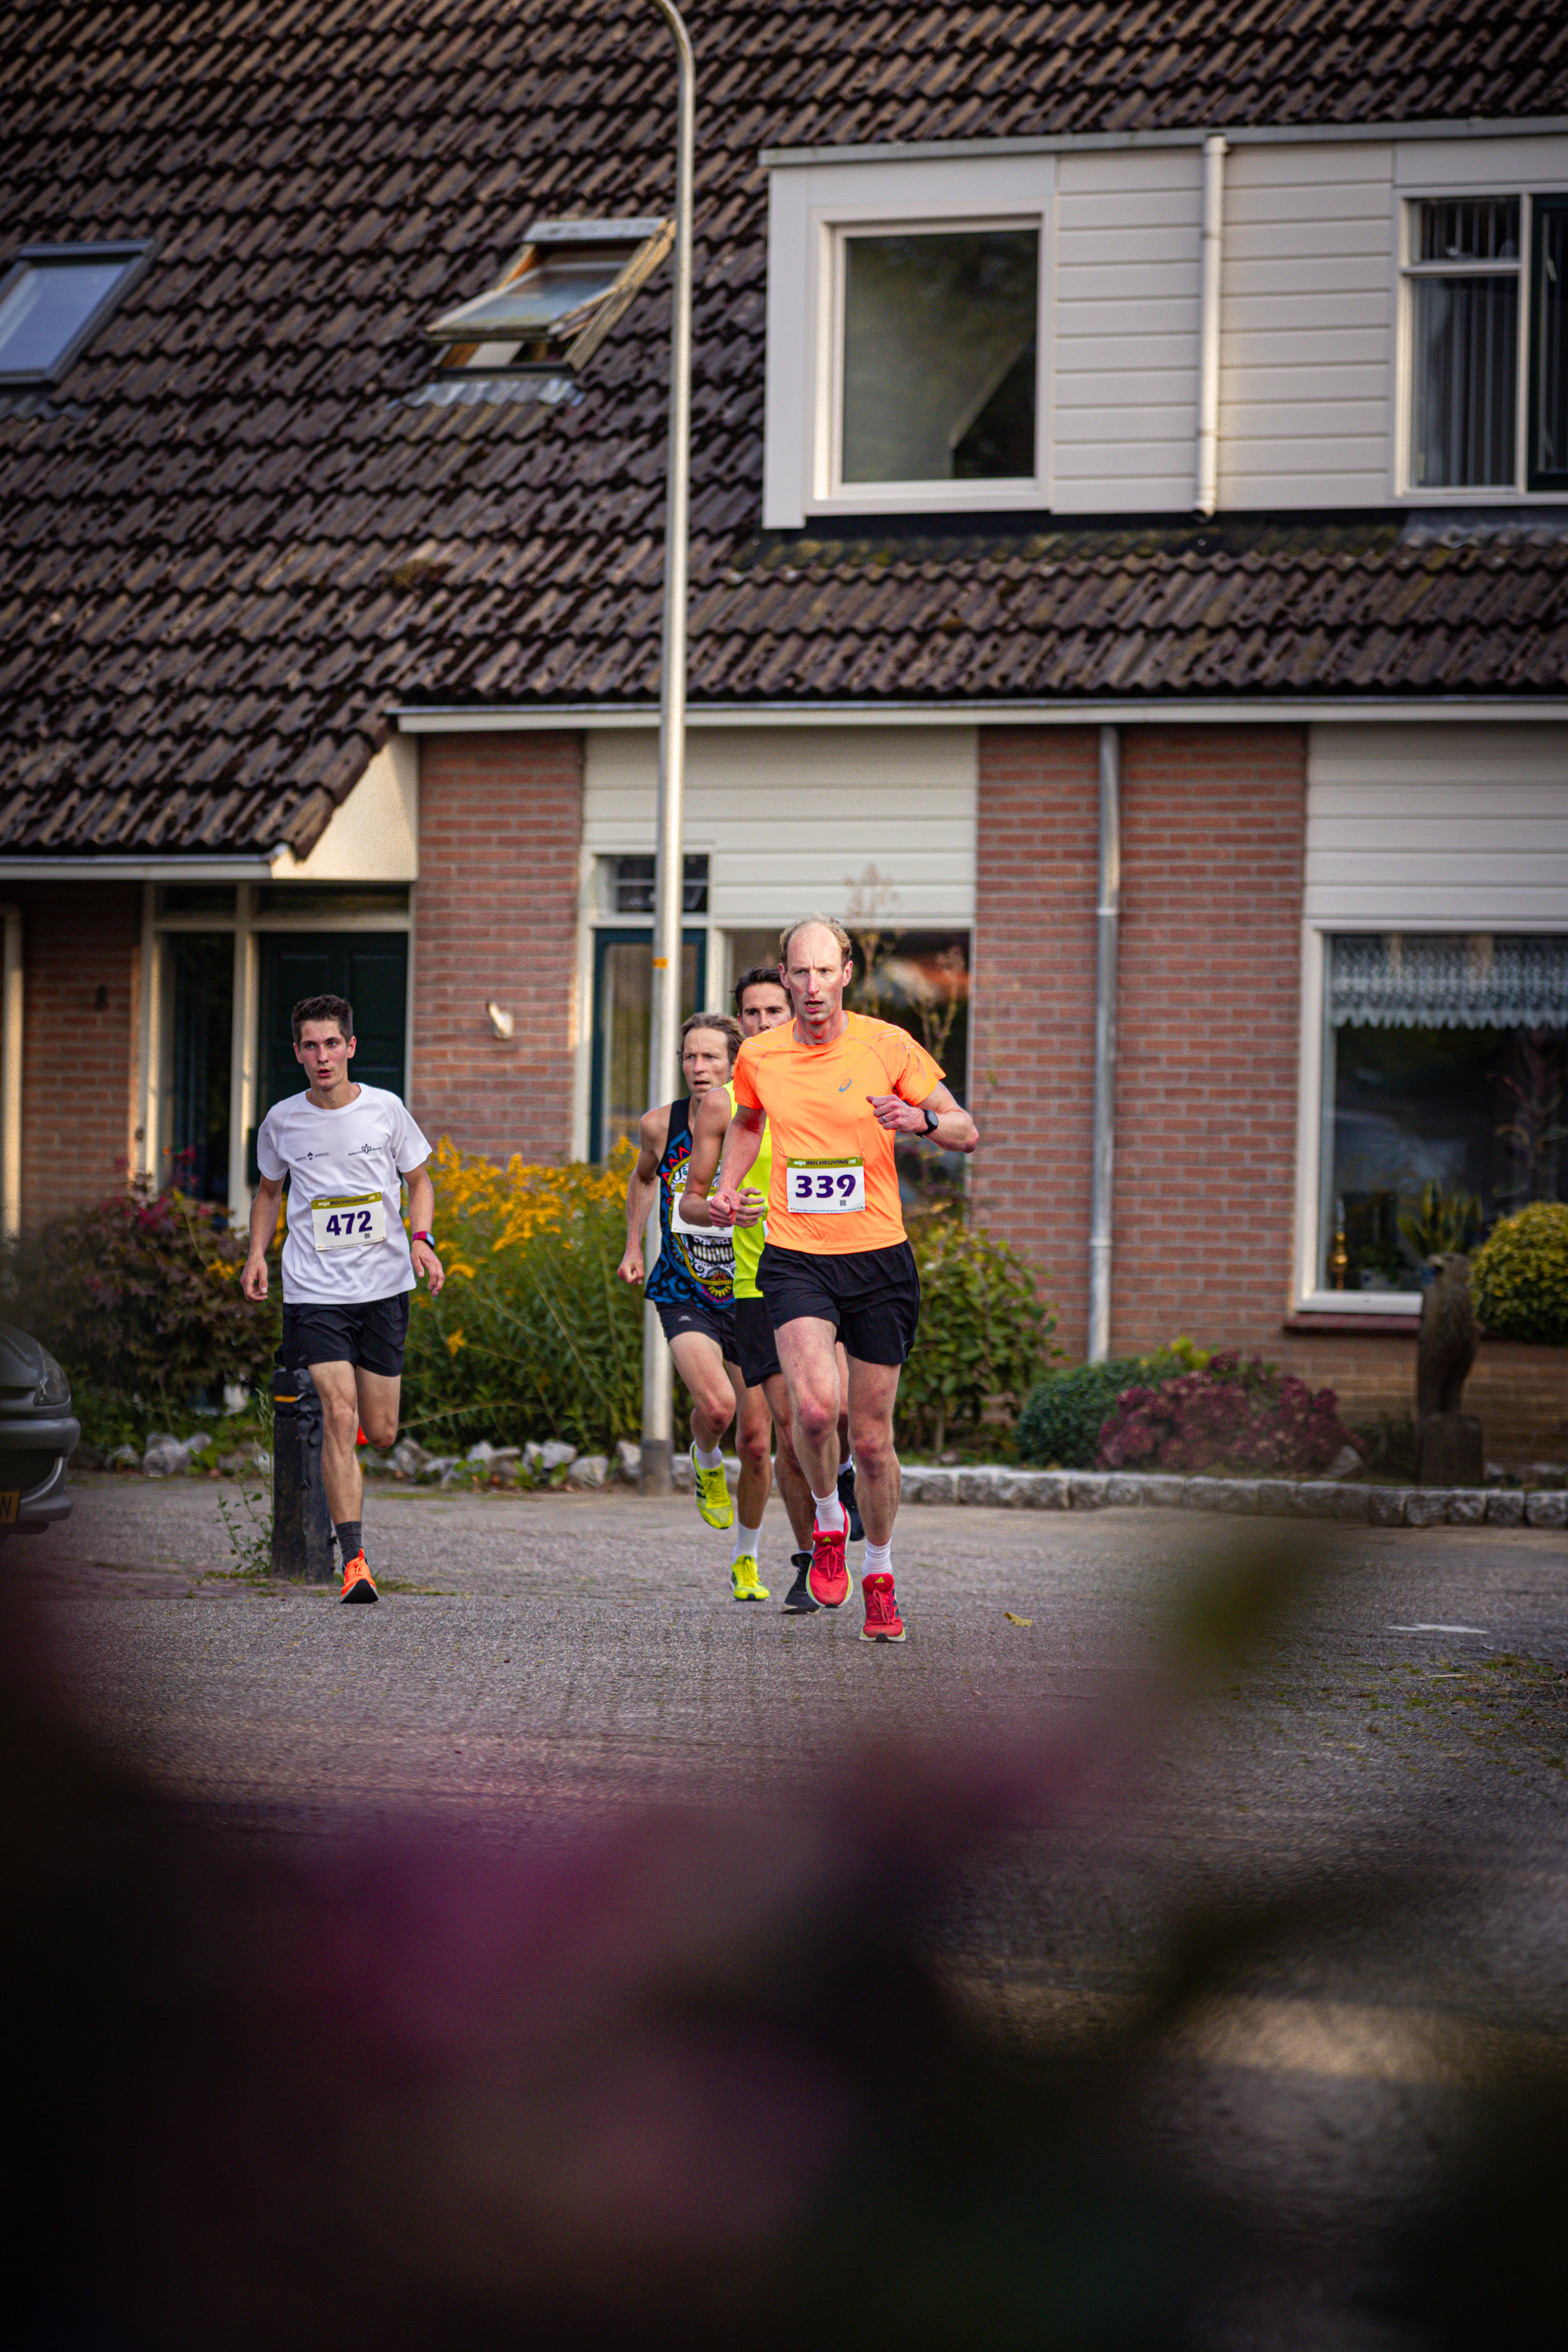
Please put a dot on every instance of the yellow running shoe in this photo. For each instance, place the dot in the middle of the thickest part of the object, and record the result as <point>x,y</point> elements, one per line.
<point>712,1495</point>
<point>744,1582</point>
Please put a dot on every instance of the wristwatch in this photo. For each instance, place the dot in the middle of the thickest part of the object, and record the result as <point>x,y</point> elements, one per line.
<point>428,1240</point>
<point>930,1121</point>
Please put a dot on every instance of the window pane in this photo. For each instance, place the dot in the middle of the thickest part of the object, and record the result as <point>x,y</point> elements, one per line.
<point>940,356</point>
<point>632,885</point>
<point>920,981</point>
<point>1466,351</point>
<point>202,968</point>
<point>1552,342</point>
<point>623,1011</point>
<point>47,307</point>
<point>1447,1060</point>
<point>1470,228</point>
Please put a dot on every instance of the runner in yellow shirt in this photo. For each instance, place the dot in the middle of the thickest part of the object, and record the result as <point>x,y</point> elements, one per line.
<point>835,1089</point>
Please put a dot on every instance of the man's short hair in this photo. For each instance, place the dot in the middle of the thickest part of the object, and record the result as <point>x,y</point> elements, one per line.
<point>762,976</point>
<point>815,922</point>
<point>720,1021</point>
<point>323,1008</point>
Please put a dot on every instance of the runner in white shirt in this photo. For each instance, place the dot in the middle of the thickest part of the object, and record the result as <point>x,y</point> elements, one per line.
<point>345,1151</point>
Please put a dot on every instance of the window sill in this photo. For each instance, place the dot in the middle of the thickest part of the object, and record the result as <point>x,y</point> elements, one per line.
<point>1328,1322</point>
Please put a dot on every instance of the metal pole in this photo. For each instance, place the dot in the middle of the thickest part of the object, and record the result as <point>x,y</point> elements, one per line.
<point>1107,924</point>
<point>664,1027</point>
<point>1206,493</point>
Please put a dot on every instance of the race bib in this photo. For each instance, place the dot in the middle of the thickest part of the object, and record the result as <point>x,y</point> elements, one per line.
<point>827,1188</point>
<point>349,1219</point>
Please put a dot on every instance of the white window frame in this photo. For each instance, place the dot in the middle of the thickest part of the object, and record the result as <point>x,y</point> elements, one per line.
<point>1314,1112</point>
<point>1407,201</point>
<point>811,209</point>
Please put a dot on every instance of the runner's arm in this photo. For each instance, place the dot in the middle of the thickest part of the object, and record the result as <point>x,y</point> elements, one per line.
<point>642,1190</point>
<point>741,1146</point>
<point>422,1220</point>
<point>264,1212</point>
<point>954,1129</point>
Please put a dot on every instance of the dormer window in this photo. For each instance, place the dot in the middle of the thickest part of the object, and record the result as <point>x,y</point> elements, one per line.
<point>53,297</point>
<point>939,340</point>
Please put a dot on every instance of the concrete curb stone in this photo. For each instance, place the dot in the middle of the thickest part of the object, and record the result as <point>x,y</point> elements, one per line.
<point>1386,1505</point>
<point>1505,1508</point>
<point>1467,1506</point>
<point>1547,1507</point>
<point>1426,1506</point>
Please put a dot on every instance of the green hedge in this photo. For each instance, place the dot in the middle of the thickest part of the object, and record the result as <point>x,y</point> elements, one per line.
<point>1519,1275</point>
<point>1061,1421</point>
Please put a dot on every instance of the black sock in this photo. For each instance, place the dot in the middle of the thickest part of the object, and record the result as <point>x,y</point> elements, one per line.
<point>349,1538</point>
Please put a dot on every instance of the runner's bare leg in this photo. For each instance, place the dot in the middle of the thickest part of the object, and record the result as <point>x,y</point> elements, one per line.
<point>805,1346</point>
<point>699,1360</point>
<point>754,1444</point>
<point>873,1390</point>
<point>341,1474</point>
<point>792,1479</point>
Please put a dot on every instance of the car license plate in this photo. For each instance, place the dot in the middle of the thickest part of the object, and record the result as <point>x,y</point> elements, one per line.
<point>9,1505</point>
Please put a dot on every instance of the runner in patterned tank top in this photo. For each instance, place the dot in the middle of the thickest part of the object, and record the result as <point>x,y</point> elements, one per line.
<point>761,1002</point>
<point>692,1280</point>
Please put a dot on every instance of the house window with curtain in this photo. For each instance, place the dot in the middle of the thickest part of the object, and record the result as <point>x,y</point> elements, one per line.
<point>1444,1073</point>
<point>1488,308</point>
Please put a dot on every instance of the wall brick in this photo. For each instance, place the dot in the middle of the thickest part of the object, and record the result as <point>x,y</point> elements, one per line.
<point>1212,843</point>
<point>81,955</point>
<point>1212,836</point>
<point>501,822</point>
<point>1032,1050</point>
<point>1519,1391</point>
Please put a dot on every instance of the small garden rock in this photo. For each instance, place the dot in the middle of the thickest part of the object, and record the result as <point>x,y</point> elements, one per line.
<point>408,1457</point>
<point>556,1455</point>
<point>628,1460</point>
<point>589,1470</point>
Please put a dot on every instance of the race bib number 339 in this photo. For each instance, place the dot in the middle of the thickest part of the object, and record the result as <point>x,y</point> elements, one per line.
<point>827,1188</point>
<point>349,1219</point>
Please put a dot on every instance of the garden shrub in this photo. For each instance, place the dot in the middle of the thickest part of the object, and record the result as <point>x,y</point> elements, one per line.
<point>1234,1416</point>
<point>139,1297</point>
<point>1519,1275</point>
<point>1060,1423</point>
<point>985,1336</point>
<point>532,1336</point>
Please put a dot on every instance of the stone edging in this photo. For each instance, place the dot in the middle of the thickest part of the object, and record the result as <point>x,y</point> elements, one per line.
<point>1278,1499</point>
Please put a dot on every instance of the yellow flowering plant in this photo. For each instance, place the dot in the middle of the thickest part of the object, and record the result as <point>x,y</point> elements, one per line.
<point>532,1336</point>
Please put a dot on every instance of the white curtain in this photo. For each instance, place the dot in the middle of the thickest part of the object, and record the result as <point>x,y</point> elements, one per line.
<point>1449,980</point>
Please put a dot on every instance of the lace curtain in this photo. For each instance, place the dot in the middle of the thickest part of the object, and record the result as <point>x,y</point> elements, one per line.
<point>1449,980</point>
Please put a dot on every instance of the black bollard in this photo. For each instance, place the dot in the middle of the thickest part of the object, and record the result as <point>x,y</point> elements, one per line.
<point>301,1523</point>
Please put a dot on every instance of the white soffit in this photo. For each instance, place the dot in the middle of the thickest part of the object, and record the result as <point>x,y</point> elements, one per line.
<point>374,835</point>
<point>1460,828</point>
<point>874,822</point>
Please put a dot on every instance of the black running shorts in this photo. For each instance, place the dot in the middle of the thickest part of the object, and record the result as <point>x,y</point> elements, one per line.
<point>758,1357</point>
<point>370,1334</point>
<point>872,1297</point>
<point>717,1323</point>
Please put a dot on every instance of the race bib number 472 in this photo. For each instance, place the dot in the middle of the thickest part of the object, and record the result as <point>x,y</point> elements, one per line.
<point>349,1219</point>
<point>827,1188</point>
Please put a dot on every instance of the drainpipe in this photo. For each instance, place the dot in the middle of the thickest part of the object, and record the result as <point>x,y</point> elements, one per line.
<point>1108,919</point>
<point>1207,491</point>
<point>11,1077</point>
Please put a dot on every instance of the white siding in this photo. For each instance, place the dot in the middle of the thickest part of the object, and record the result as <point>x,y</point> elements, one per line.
<point>1125,331</point>
<point>1306,327</point>
<point>1439,827</point>
<point>791,818</point>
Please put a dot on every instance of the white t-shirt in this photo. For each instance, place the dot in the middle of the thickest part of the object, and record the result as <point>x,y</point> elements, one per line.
<point>345,1242</point>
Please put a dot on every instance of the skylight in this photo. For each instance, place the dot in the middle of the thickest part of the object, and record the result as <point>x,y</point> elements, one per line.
<point>52,298</point>
<point>557,299</point>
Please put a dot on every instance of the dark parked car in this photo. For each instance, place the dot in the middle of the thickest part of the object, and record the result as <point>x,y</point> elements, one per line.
<point>37,1435</point>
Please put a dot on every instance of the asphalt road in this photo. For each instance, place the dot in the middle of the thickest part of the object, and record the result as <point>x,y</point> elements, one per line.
<point>1394,1759</point>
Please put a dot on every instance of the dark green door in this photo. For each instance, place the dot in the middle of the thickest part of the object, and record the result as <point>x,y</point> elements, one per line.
<point>371,969</point>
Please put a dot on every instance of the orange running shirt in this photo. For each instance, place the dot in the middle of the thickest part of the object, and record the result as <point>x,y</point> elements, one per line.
<point>816,1100</point>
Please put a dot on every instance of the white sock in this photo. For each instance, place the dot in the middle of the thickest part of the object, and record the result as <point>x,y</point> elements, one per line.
<point>745,1540</point>
<point>830,1513</point>
<point>714,1461</point>
<point>878,1559</point>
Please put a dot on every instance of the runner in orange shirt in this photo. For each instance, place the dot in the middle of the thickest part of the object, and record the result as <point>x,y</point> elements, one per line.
<point>835,1089</point>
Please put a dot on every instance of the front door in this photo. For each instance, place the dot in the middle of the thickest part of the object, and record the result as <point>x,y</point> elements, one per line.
<point>371,969</point>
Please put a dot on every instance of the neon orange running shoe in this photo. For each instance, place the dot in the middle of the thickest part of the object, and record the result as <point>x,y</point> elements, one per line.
<point>883,1623</point>
<point>827,1578</point>
<point>358,1582</point>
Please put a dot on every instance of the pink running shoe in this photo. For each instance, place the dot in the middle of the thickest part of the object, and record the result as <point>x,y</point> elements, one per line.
<point>883,1623</point>
<point>827,1577</point>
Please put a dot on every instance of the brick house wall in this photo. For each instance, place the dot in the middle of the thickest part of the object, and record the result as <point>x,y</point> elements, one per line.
<point>81,952</point>
<point>1213,846</point>
<point>1032,1046</point>
<point>500,823</point>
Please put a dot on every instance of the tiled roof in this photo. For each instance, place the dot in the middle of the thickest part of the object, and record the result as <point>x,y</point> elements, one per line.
<point>234,535</point>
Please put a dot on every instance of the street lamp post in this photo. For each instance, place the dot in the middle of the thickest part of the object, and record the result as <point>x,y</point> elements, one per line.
<point>664,1027</point>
